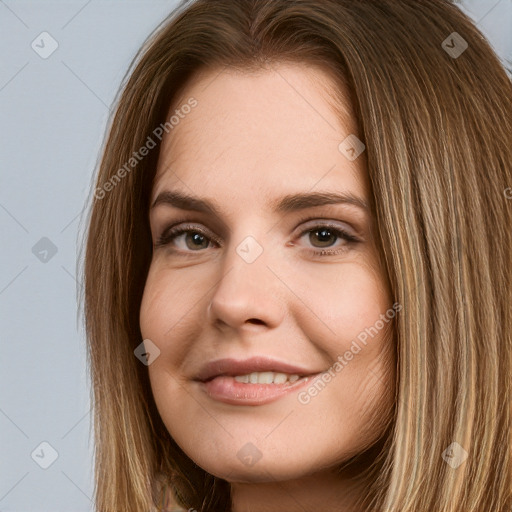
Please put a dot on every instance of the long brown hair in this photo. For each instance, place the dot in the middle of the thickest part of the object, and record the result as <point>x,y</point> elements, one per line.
<point>435,116</point>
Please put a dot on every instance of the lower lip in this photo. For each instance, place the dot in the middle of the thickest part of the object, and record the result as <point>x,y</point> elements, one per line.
<point>230,391</point>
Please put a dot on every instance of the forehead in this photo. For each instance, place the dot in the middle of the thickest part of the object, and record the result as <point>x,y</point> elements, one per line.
<point>260,132</point>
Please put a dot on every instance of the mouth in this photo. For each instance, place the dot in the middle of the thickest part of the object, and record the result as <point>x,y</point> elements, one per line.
<point>257,388</point>
<point>257,367</point>
<point>267,378</point>
<point>254,381</point>
<point>233,391</point>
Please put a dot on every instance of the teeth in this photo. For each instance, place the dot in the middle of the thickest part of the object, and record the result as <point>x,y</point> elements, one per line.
<point>280,378</point>
<point>266,378</point>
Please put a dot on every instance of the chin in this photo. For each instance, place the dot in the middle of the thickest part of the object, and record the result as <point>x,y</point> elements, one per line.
<point>262,471</point>
<point>242,461</point>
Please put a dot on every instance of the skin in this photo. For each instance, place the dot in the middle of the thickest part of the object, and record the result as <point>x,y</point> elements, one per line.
<point>253,138</point>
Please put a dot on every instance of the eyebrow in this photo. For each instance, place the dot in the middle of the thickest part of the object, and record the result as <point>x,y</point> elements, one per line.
<point>288,203</point>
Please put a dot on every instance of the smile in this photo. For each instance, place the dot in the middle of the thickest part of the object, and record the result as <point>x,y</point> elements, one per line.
<point>257,388</point>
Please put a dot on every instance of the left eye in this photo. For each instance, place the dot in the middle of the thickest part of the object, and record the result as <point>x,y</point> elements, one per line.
<point>324,233</point>
<point>196,239</point>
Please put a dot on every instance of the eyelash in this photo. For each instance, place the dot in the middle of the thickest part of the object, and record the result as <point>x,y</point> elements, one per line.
<point>170,234</point>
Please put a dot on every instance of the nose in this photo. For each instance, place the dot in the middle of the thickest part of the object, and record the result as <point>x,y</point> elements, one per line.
<point>249,294</point>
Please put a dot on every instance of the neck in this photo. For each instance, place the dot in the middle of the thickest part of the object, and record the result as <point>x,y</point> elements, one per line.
<point>327,490</point>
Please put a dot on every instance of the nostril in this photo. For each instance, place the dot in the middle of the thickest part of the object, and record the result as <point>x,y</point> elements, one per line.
<point>255,321</point>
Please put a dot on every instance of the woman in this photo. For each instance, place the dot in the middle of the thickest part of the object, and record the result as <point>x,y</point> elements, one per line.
<point>298,264</point>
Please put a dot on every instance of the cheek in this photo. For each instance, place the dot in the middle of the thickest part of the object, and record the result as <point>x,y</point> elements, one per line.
<point>166,299</point>
<point>152,308</point>
<point>345,300</point>
<point>159,311</point>
<point>352,323</point>
<point>172,315</point>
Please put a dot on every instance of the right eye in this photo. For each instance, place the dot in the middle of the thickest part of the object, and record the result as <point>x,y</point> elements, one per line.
<point>194,238</point>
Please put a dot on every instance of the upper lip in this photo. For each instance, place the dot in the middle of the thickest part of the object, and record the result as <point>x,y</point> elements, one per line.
<point>234,367</point>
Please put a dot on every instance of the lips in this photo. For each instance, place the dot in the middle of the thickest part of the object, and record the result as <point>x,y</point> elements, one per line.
<point>232,368</point>
<point>227,390</point>
<point>217,380</point>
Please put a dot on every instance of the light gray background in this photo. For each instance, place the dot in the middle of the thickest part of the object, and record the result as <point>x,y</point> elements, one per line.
<point>53,116</point>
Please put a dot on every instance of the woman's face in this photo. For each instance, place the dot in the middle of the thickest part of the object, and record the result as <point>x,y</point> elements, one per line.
<point>274,278</point>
